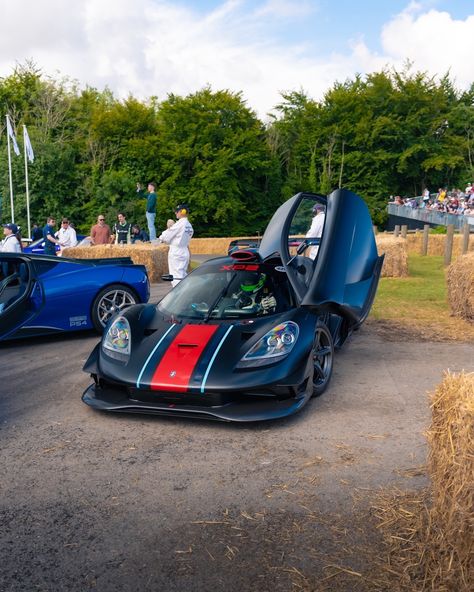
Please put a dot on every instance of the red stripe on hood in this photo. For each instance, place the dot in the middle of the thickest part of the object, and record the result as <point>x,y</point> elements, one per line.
<point>177,365</point>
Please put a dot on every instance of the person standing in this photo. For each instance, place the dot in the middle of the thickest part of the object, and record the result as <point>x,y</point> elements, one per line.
<point>316,229</point>
<point>100,232</point>
<point>36,233</point>
<point>177,237</point>
<point>66,235</point>
<point>12,242</point>
<point>150,208</point>
<point>122,230</point>
<point>50,241</point>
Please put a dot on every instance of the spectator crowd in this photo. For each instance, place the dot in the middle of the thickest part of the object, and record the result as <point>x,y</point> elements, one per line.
<point>455,201</point>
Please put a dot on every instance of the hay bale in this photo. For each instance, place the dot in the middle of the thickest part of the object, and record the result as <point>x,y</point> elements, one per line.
<point>396,257</point>
<point>451,467</point>
<point>436,244</point>
<point>460,280</point>
<point>213,246</point>
<point>430,534</point>
<point>153,257</point>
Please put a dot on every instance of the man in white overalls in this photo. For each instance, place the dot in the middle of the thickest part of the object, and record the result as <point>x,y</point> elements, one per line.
<point>177,237</point>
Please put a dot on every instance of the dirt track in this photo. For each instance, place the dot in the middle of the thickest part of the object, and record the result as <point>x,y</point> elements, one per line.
<point>90,501</point>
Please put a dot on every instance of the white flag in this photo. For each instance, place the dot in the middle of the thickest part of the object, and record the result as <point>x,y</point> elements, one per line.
<point>12,136</point>
<point>28,146</point>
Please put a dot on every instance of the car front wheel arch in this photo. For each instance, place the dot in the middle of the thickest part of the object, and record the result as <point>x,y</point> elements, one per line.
<point>109,301</point>
<point>322,355</point>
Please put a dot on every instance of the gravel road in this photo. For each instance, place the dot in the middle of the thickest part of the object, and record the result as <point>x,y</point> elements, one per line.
<point>90,501</point>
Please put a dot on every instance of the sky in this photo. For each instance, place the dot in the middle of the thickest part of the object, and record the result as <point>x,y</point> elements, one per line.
<point>260,48</point>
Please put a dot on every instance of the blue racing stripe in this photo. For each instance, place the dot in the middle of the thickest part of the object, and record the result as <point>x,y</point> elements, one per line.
<point>211,362</point>
<point>151,354</point>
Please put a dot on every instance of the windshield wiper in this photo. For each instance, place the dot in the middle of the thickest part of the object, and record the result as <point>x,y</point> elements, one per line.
<point>219,297</point>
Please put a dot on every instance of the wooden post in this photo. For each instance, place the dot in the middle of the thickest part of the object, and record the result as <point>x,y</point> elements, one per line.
<point>396,230</point>
<point>465,238</point>
<point>404,230</point>
<point>448,247</point>
<point>426,233</point>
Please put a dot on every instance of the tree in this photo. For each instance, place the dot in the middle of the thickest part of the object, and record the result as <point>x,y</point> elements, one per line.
<point>214,156</point>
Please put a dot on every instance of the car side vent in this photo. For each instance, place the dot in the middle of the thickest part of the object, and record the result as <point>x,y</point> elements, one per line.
<point>148,332</point>
<point>245,335</point>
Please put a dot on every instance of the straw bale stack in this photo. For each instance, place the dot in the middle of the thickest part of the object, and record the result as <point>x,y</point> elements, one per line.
<point>396,257</point>
<point>154,258</point>
<point>451,467</point>
<point>430,534</point>
<point>436,244</point>
<point>460,279</point>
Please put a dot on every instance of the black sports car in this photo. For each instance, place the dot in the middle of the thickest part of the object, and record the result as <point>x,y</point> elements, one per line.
<point>251,336</point>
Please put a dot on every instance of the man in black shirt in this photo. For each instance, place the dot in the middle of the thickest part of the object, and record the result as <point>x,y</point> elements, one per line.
<point>122,230</point>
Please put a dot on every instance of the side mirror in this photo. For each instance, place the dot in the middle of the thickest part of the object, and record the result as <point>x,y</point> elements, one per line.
<point>167,277</point>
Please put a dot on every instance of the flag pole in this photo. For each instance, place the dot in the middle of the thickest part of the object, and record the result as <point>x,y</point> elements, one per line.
<point>10,172</point>
<point>27,185</point>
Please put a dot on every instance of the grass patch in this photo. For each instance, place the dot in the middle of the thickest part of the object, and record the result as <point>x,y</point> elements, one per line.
<point>420,301</point>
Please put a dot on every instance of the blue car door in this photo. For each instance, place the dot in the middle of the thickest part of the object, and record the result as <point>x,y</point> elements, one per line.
<point>21,294</point>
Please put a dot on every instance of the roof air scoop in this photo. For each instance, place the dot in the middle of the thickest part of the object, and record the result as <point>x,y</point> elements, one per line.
<point>247,255</point>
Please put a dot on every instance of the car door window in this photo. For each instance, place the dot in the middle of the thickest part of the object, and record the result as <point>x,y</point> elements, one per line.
<point>14,278</point>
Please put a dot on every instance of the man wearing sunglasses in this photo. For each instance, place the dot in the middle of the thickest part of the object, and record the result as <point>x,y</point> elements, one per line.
<point>100,232</point>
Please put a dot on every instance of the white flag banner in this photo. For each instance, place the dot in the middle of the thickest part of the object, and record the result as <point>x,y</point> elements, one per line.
<point>12,136</point>
<point>28,146</point>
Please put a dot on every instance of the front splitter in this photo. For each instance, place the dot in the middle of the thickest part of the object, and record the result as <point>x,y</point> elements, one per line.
<point>109,399</point>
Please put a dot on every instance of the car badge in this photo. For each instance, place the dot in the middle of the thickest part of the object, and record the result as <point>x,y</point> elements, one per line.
<point>173,373</point>
<point>280,268</point>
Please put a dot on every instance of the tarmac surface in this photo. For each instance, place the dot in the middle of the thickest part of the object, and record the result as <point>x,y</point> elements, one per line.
<point>95,501</point>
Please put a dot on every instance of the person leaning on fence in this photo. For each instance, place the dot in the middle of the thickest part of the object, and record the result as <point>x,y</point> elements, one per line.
<point>177,237</point>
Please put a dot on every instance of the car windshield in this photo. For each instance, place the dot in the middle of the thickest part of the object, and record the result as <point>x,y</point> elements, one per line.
<point>229,291</point>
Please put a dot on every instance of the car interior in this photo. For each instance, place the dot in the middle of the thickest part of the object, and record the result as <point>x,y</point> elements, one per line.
<point>14,278</point>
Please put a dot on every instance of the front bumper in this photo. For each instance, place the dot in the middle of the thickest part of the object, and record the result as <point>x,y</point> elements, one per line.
<point>240,408</point>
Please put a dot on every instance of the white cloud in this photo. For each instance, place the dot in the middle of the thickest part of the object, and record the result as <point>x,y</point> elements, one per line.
<point>434,41</point>
<point>153,47</point>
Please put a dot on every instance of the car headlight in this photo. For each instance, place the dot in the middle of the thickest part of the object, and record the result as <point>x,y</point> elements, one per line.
<point>272,347</point>
<point>116,342</point>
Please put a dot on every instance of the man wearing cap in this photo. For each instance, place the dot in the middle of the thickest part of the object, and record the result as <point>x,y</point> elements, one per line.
<point>316,229</point>
<point>177,237</point>
<point>11,243</point>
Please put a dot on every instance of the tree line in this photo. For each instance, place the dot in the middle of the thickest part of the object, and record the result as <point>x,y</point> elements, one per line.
<point>386,133</point>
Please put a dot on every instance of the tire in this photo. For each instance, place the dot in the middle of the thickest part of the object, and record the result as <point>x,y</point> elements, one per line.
<point>323,358</point>
<point>109,301</point>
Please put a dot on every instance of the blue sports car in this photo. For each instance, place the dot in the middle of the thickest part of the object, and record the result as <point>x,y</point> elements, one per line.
<point>37,246</point>
<point>42,294</point>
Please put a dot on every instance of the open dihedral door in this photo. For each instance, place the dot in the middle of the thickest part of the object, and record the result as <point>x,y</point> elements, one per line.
<point>343,277</point>
<point>16,287</point>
